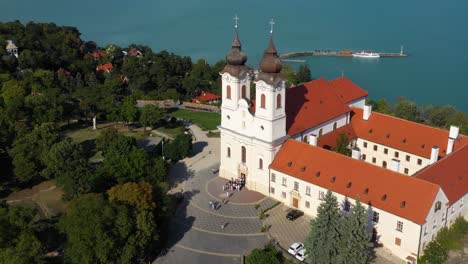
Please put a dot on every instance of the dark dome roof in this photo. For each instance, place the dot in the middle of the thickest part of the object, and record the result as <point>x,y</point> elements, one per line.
<point>271,63</point>
<point>236,56</point>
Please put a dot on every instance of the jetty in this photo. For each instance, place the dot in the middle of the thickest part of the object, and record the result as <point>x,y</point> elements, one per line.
<point>329,53</point>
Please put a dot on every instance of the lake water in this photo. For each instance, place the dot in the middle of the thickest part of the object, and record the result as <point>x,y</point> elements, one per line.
<point>434,33</point>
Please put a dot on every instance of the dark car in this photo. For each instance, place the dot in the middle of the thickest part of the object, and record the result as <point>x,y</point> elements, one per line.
<point>293,214</point>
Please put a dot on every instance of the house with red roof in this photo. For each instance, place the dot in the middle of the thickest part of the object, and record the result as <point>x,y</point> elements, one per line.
<point>206,98</point>
<point>411,177</point>
<point>107,67</point>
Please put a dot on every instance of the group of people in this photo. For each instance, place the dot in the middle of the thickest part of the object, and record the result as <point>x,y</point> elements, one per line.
<point>234,185</point>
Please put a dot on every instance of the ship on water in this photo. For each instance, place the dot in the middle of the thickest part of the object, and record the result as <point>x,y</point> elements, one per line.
<point>366,54</point>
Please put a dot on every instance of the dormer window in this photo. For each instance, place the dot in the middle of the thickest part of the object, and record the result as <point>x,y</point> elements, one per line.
<point>366,190</point>
<point>349,185</point>
<point>388,135</point>
<point>333,179</point>
<point>403,204</point>
<point>303,168</point>
<point>384,197</point>
<point>290,164</point>
<point>317,174</point>
<point>438,206</point>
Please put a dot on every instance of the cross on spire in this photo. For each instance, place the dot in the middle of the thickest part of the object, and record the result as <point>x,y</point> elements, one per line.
<point>236,18</point>
<point>272,22</point>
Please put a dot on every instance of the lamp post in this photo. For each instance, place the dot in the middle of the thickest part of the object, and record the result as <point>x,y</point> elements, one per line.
<point>162,148</point>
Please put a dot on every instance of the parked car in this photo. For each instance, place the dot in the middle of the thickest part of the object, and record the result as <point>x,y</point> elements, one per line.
<point>295,247</point>
<point>293,214</point>
<point>301,254</point>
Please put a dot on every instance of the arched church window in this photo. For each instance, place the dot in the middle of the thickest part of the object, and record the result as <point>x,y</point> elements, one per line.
<point>320,132</point>
<point>260,164</point>
<point>278,101</point>
<point>262,101</point>
<point>334,126</point>
<point>244,154</point>
<point>228,92</point>
<point>384,164</point>
<point>228,152</point>
<point>244,91</point>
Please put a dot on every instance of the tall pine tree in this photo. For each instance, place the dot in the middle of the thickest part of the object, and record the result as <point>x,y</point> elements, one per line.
<point>354,245</point>
<point>321,244</point>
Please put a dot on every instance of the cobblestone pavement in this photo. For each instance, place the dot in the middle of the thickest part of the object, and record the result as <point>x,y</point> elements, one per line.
<point>196,235</point>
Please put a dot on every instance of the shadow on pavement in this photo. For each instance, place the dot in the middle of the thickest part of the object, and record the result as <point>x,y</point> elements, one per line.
<point>198,147</point>
<point>179,173</point>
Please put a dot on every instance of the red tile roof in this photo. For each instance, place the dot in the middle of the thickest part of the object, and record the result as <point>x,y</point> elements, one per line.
<point>206,96</point>
<point>401,134</point>
<point>311,104</point>
<point>346,90</point>
<point>353,177</point>
<point>451,173</point>
<point>104,67</point>
<point>328,141</point>
<point>97,54</point>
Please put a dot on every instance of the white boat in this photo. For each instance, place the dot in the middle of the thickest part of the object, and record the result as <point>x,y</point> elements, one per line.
<point>365,54</point>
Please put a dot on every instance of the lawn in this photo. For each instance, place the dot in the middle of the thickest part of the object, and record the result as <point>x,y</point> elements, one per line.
<point>173,132</point>
<point>205,120</point>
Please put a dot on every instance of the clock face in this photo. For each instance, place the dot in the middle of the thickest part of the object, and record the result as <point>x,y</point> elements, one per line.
<point>279,88</point>
<point>228,78</point>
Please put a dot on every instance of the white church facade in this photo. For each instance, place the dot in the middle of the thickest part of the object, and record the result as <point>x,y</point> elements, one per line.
<point>413,178</point>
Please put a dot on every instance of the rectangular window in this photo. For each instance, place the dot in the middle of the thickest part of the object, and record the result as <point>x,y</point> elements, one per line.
<point>307,204</point>
<point>308,190</point>
<point>375,217</point>
<point>272,190</point>
<point>435,224</point>
<point>438,206</point>
<point>419,161</point>
<point>363,156</point>
<point>374,160</point>
<point>406,171</point>
<point>399,226</point>
<point>283,194</point>
<point>347,206</point>
<point>375,147</point>
<point>453,209</point>
<point>425,230</point>
<point>397,241</point>
<point>365,144</point>
<point>296,186</point>
<point>397,154</point>
<point>284,181</point>
<point>408,158</point>
<point>385,150</point>
<point>321,195</point>
<point>273,177</point>
<point>443,216</point>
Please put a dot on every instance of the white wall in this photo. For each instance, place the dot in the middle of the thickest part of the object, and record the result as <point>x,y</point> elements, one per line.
<point>380,156</point>
<point>386,226</point>
<point>327,127</point>
<point>359,103</point>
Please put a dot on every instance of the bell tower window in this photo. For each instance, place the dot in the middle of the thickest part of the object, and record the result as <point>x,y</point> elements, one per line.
<point>262,101</point>
<point>244,91</point>
<point>228,152</point>
<point>228,92</point>
<point>278,101</point>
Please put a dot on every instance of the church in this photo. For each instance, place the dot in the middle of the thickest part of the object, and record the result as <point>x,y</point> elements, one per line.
<point>412,178</point>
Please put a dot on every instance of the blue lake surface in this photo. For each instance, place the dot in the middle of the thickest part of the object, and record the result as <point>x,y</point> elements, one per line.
<point>434,33</point>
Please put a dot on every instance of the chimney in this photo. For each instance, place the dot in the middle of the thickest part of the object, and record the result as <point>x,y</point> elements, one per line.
<point>313,140</point>
<point>453,134</point>
<point>356,153</point>
<point>434,154</point>
<point>395,165</point>
<point>367,112</point>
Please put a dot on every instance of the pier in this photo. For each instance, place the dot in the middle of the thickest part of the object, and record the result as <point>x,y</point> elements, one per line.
<point>328,53</point>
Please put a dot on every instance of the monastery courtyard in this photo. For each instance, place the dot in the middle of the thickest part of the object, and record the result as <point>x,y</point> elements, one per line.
<point>196,235</point>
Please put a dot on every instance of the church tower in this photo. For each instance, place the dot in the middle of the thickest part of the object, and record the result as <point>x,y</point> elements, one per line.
<point>271,94</point>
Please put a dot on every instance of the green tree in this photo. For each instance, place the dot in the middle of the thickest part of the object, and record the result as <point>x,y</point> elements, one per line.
<point>267,255</point>
<point>179,148</point>
<point>139,195</point>
<point>434,253</point>
<point>106,138</point>
<point>354,245</point>
<point>67,162</point>
<point>440,116</point>
<point>128,110</point>
<point>150,115</point>
<point>303,74</point>
<point>99,231</point>
<point>29,151</point>
<point>26,249</point>
<point>321,243</point>
<point>460,119</point>
<point>289,73</point>
<point>406,109</point>
<point>342,145</point>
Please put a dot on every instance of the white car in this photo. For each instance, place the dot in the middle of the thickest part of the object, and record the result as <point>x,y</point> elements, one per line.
<point>295,247</point>
<point>301,254</point>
